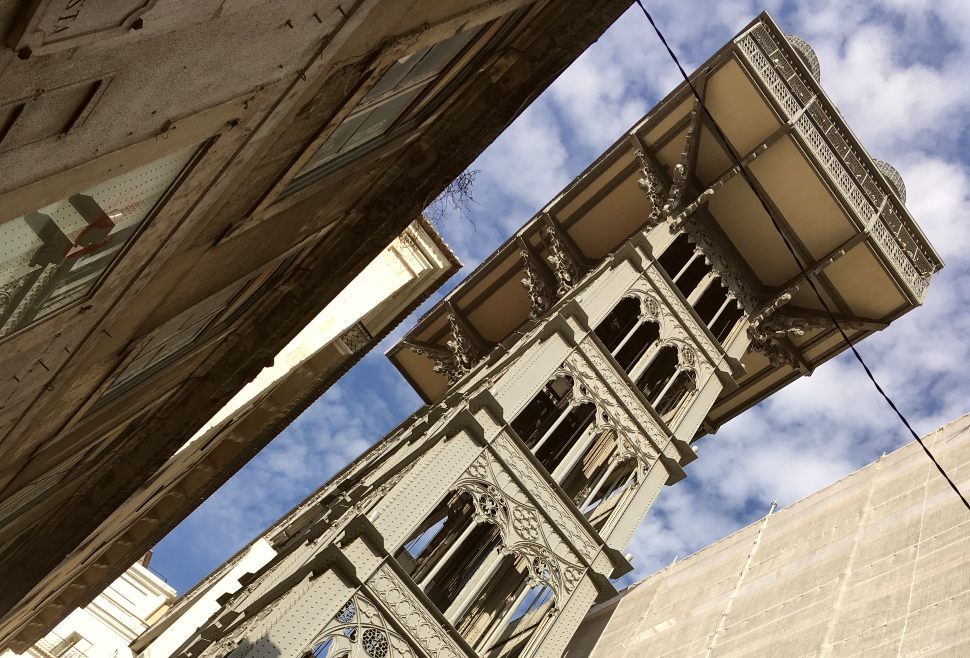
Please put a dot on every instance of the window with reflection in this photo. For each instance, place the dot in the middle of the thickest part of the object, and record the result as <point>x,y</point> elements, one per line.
<point>55,255</point>
<point>404,89</point>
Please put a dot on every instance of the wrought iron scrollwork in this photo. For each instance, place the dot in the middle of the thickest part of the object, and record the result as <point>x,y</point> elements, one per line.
<point>466,353</point>
<point>653,188</point>
<point>443,361</point>
<point>540,297</point>
<point>563,264</point>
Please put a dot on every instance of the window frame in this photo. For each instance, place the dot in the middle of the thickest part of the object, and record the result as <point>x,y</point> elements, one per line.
<point>436,90</point>
<point>201,147</point>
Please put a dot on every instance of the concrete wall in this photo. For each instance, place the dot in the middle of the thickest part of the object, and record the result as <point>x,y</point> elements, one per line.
<point>877,564</point>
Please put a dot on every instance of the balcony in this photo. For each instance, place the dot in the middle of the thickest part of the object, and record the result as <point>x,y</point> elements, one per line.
<point>55,646</point>
<point>866,186</point>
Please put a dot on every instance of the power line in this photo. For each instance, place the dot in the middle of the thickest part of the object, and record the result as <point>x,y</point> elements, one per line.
<point>747,177</point>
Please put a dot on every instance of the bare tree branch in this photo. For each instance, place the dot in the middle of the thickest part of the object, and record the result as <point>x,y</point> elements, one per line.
<point>456,199</point>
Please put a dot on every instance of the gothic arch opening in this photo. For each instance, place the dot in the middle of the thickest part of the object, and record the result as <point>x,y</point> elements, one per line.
<point>723,325</point>
<point>645,336</point>
<point>687,269</point>
<point>711,301</point>
<point>618,323</point>
<point>554,446</point>
<point>676,256</point>
<point>625,334</point>
<point>484,591</point>
<point>662,368</point>
<point>508,611</point>
<point>447,548</point>
<point>463,566</point>
<point>609,496</point>
<point>545,408</point>
<point>551,425</point>
<point>685,266</point>
<point>691,277</point>
<point>590,468</point>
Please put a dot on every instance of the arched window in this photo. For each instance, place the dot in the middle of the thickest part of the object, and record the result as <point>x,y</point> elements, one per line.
<point>483,591</point>
<point>661,370</point>
<point>358,629</point>
<point>625,334</point>
<point>618,323</point>
<point>542,412</point>
<point>684,265</point>
<point>672,399</point>
<point>550,426</point>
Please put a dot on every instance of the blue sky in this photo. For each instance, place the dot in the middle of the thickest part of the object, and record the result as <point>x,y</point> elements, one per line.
<point>897,71</point>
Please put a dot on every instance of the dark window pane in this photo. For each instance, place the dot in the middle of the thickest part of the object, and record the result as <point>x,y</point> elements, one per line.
<point>676,255</point>
<point>619,322</point>
<point>711,301</point>
<point>687,281</point>
<point>658,373</point>
<point>634,349</point>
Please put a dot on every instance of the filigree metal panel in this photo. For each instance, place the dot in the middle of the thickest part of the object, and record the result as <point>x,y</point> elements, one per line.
<point>356,337</point>
<point>411,614</point>
<point>557,511</point>
<point>359,629</point>
<point>501,501</point>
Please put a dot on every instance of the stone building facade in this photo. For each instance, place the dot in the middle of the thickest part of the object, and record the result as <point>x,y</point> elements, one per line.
<point>231,165</point>
<point>567,376</point>
<point>877,564</point>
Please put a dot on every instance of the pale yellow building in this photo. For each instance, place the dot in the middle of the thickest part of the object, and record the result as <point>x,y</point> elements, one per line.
<point>106,626</point>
